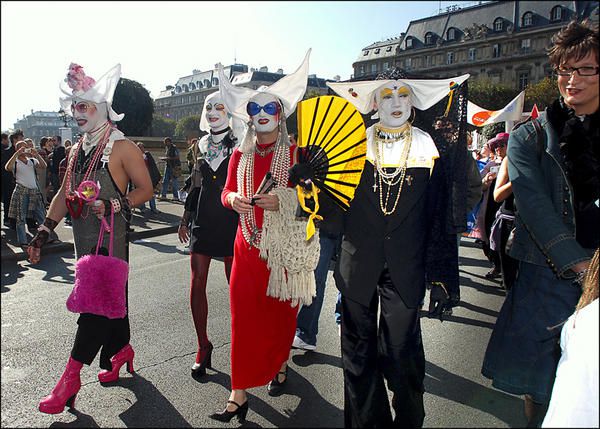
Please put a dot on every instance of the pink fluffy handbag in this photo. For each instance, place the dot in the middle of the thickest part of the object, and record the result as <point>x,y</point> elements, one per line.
<point>100,281</point>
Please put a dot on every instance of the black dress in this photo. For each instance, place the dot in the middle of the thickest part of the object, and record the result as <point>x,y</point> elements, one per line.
<point>213,226</point>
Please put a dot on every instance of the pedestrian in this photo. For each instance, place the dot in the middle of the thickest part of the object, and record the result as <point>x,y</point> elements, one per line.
<point>43,178</point>
<point>556,186</point>
<point>155,176</point>
<point>8,178</point>
<point>574,400</point>
<point>263,326</point>
<point>26,201</point>
<point>172,169</point>
<point>387,252</point>
<point>58,154</point>
<point>503,225</point>
<point>206,223</point>
<point>106,157</point>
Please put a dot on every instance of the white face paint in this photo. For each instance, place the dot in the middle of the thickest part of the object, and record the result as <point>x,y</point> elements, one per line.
<point>216,112</point>
<point>393,104</point>
<point>89,116</point>
<point>263,121</point>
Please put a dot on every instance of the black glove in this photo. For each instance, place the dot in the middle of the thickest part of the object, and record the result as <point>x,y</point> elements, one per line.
<point>438,300</point>
<point>300,172</point>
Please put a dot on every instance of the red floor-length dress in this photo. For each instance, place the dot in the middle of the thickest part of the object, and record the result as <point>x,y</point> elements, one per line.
<point>262,328</point>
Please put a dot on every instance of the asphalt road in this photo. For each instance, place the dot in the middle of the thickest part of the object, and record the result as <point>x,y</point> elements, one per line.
<point>38,331</point>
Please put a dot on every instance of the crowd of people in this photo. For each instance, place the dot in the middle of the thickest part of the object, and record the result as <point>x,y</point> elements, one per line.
<point>538,220</point>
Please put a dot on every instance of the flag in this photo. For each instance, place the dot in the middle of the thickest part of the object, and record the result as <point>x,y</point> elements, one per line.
<point>479,116</point>
<point>534,112</point>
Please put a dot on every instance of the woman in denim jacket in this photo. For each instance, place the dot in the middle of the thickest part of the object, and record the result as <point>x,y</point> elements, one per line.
<point>556,183</point>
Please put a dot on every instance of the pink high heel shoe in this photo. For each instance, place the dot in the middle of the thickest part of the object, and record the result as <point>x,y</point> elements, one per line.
<point>65,391</point>
<point>125,355</point>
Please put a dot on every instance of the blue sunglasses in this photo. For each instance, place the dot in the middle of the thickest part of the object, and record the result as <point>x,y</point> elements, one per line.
<point>254,109</point>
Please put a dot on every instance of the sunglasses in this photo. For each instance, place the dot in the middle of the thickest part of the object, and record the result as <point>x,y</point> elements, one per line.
<point>81,107</point>
<point>217,106</point>
<point>271,108</point>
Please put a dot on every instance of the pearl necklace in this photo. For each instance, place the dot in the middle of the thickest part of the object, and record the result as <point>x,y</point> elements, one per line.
<point>397,175</point>
<point>280,164</point>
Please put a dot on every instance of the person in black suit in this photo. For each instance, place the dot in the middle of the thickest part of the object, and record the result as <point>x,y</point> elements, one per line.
<point>387,254</point>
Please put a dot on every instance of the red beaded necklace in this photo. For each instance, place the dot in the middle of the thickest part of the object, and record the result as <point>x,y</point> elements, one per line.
<point>73,200</point>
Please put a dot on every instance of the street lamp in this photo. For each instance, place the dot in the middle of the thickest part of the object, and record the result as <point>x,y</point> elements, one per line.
<point>63,116</point>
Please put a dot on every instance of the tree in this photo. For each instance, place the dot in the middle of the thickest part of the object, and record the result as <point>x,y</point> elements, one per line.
<point>542,93</point>
<point>491,130</point>
<point>162,127</point>
<point>132,99</point>
<point>188,127</point>
<point>491,96</point>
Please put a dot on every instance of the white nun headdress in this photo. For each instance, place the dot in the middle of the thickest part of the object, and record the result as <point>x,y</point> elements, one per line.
<point>424,92</point>
<point>81,87</point>
<point>289,90</point>
<point>204,125</point>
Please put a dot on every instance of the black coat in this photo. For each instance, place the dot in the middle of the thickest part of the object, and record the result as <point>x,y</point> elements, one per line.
<point>404,240</point>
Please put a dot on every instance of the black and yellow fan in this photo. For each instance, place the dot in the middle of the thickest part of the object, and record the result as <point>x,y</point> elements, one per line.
<point>333,135</point>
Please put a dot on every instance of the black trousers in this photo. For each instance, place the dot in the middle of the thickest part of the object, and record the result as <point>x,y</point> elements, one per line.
<point>392,351</point>
<point>95,332</point>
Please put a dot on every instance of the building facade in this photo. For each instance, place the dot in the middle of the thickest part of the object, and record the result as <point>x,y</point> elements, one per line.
<point>504,42</point>
<point>39,124</point>
<point>187,96</point>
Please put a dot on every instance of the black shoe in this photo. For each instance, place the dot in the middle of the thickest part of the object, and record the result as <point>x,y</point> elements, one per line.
<point>275,387</point>
<point>226,416</point>
<point>199,368</point>
<point>492,274</point>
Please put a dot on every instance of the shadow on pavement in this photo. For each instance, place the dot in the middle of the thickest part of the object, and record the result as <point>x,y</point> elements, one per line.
<point>159,247</point>
<point>463,320</point>
<point>81,421</point>
<point>485,288</point>
<point>473,262</point>
<point>151,409</point>
<point>479,309</point>
<point>444,384</point>
<point>12,271</point>
<point>316,358</point>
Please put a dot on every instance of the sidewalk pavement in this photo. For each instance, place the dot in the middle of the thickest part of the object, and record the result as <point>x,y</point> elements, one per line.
<point>144,225</point>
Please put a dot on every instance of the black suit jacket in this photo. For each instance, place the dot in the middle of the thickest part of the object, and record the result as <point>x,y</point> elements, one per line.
<point>400,240</point>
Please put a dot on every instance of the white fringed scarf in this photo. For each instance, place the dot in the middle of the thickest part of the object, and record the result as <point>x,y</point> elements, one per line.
<point>291,259</point>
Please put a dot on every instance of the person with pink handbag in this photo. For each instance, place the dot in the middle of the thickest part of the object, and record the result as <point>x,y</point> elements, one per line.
<point>99,167</point>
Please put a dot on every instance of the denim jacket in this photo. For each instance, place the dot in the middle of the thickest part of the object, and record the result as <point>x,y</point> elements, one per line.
<point>545,223</point>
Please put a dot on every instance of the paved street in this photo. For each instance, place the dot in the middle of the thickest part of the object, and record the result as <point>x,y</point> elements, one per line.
<point>38,331</point>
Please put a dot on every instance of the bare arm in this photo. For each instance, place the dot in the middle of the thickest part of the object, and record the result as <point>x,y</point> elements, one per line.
<point>10,164</point>
<point>503,188</point>
<point>41,163</point>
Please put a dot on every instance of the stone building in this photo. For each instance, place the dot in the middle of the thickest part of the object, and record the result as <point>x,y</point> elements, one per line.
<point>39,124</point>
<point>187,96</point>
<point>501,41</point>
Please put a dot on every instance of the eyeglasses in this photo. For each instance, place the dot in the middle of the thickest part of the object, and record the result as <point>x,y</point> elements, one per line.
<point>254,109</point>
<point>81,107</point>
<point>217,106</point>
<point>583,71</point>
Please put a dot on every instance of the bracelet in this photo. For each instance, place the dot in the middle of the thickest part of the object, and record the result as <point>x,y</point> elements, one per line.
<point>116,205</point>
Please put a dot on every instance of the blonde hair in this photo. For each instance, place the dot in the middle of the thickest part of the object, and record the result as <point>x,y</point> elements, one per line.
<point>590,283</point>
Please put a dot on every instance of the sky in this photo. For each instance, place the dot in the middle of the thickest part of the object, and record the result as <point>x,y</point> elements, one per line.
<point>157,42</point>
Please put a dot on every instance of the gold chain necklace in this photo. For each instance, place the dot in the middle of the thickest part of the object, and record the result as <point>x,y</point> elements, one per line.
<point>395,177</point>
<point>266,151</point>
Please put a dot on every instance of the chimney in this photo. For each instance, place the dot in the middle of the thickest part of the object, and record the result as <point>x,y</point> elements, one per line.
<point>263,69</point>
<point>337,78</point>
<point>279,71</point>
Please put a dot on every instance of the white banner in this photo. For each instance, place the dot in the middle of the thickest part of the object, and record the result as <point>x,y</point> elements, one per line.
<point>479,116</point>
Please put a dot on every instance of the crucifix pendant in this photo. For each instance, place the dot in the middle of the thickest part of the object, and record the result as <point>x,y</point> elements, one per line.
<point>375,187</point>
<point>409,179</point>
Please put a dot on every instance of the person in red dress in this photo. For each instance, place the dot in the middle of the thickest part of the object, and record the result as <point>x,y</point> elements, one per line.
<point>263,327</point>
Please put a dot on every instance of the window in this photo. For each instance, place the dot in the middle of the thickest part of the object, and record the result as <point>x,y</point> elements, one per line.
<point>496,50</point>
<point>472,54</point>
<point>450,58</point>
<point>377,50</point>
<point>409,43</point>
<point>408,63</point>
<point>429,38</point>
<point>527,19</point>
<point>388,49</point>
<point>365,53</point>
<point>523,80</point>
<point>386,65</point>
<point>192,86</point>
<point>362,69</point>
<point>451,34</point>
<point>556,13</point>
<point>498,24</point>
<point>427,60</point>
<point>373,68</point>
<point>525,45</point>
<point>215,81</point>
